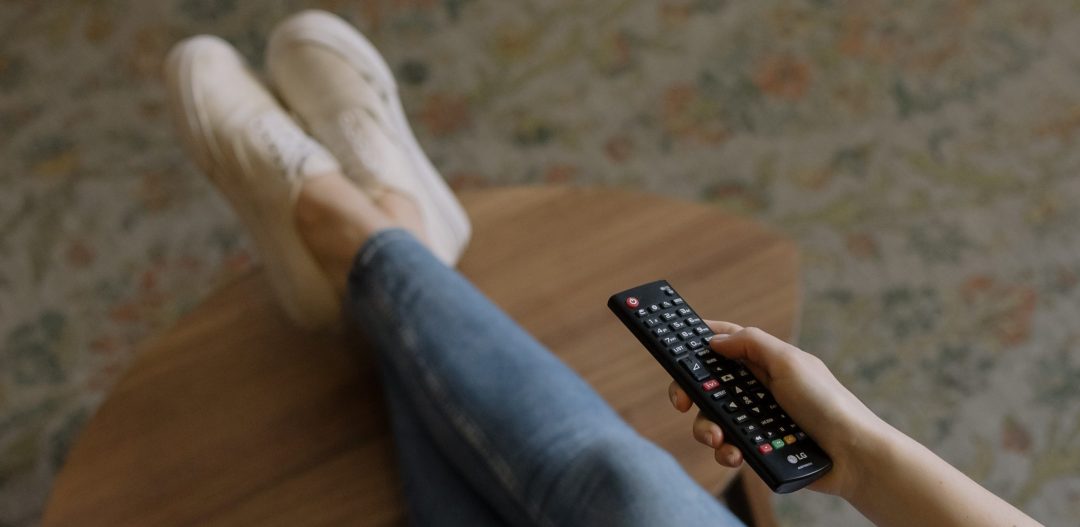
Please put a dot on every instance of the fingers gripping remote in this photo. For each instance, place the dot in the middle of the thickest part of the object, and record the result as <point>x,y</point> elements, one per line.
<point>725,391</point>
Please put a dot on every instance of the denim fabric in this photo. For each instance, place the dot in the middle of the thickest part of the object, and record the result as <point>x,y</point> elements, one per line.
<point>490,427</point>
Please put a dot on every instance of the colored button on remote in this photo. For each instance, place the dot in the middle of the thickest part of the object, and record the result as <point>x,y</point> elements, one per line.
<point>764,448</point>
<point>632,302</point>
<point>713,384</point>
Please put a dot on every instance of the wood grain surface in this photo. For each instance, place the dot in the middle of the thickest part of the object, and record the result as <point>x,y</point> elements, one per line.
<point>232,417</point>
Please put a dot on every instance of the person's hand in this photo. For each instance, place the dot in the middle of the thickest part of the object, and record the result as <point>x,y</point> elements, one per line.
<point>806,390</point>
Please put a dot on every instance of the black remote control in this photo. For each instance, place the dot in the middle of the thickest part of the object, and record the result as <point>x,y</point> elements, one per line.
<point>724,390</point>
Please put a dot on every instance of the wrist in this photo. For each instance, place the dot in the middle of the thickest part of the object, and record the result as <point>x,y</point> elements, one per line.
<point>872,450</point>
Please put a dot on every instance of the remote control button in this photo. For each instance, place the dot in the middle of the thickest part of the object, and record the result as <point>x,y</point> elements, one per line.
<point>777,444</point>
<point>701,330</point>
<point>666,305</point>
<point>744,373</point>
<point>728,378</point>
<point>749,429</point>
<point>773,406</point>
<point>694,344</point>
<point>677,325</point>
<point>764,448</point>
<point>632,302</point>
<point>731,407</point>
<point>686,335</point>
<point>767,421</point>
<point>747,401</point>
<point>642,312</point>
<point>678,350</point>
<point>769,434</point>
<point>667,290</point>
<point>719,394</point>
<point>693,320</point>
<point>756,410</point>
<point>661,331</point>
<point>695,368</point>
<point>800,435</point>
<point>742,418</point>
<point>759,439</point>
<point>751,382</point>
<point>671,340</point>
<point>738,389</point>
<point>710,385</point>
<point>677,301</point>
<point>654,308</point>
<point>760,395</point>
<point>683,311</point>
<point>782,429</point>
<point>650,322</point>
<point>667,316</point>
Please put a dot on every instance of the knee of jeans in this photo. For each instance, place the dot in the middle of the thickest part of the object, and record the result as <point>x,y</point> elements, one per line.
<point>611,472</point>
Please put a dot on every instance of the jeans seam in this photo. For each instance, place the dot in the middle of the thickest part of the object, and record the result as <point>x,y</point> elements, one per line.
<point>472,434</point>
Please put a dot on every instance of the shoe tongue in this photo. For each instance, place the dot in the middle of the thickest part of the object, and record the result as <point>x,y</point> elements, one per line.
<point>285,146</point>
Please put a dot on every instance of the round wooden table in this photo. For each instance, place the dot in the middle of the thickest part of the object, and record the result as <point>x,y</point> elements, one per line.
<point>233,417</point>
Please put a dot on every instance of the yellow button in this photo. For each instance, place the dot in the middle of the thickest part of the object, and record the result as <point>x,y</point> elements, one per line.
<point>789,439</point>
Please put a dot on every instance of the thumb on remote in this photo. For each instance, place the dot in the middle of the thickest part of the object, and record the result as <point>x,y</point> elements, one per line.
<point>753,346</point>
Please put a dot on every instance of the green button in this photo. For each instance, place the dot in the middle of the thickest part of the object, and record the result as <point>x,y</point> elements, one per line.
<point>778,443</point>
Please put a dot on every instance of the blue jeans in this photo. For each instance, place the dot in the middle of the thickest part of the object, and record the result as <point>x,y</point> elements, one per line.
<point>490,427</point>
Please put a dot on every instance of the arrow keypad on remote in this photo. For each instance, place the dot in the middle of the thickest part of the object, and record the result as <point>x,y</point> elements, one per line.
<point>725,390</point>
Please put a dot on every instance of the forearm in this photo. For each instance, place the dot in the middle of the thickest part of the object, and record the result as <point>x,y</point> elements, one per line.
<point>904,483</point>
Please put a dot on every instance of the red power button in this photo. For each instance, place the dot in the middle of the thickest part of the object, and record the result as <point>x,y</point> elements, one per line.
<point>632,302</point>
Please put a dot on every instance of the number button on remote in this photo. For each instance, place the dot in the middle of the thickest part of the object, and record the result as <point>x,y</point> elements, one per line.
<point>725,389</point>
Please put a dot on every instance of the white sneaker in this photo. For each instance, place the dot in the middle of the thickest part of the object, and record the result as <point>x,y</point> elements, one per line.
<point>339,86</point>
<point>257,156</point>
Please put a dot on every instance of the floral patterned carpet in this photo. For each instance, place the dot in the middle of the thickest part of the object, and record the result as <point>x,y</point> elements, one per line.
<point>924,153</point>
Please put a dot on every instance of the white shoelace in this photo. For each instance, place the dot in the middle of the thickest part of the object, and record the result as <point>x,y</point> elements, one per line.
<point>287,146</point>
